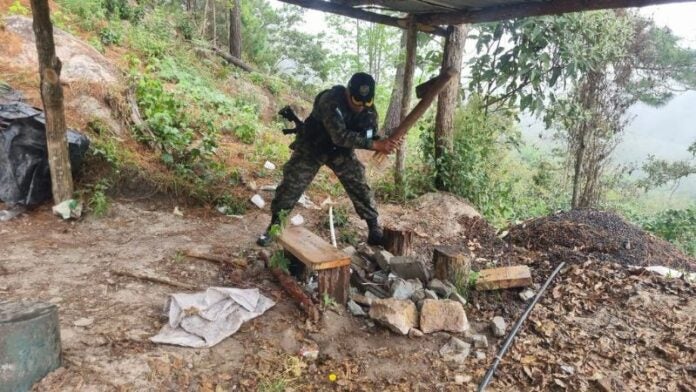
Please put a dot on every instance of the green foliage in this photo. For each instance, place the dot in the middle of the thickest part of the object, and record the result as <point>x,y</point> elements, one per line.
<point>520,60</point>
<point>675,226</point>
<point>472,170</point>
<point>327,301</point>
<point>661,172</point>
<point>278,260</point>
<point>17,8</point>
<point>231,205</point>
<point>340,218</point>
<point>165,117</point>
<point>108,36</point>
<point>98,202</point>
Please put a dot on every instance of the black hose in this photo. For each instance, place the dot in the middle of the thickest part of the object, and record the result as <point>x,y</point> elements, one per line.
<point>515,329</point>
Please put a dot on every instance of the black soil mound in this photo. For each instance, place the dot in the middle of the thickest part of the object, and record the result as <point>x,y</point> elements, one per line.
<point>583,233</point>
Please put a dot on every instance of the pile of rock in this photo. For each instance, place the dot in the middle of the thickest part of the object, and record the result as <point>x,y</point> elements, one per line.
<point>399,294</point>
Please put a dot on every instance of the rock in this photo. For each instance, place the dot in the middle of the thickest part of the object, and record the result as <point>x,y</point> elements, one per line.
<point>268,188</point>
<point>527,294</point>
<point>568,369</point>
<point>443,315</point>
<point>442,289</point>
<point>296,220</point>
<point>361,299</point>
<point>415,333</point>
<point>455,351</point>
<point>349,250</point>
<point>269,165</point>
<point>419,304</point>
<point>370,296</point>
<point>398,315</point>
<point>68,209</point>
<point>355,309</point>
<point>480,355</point>
<point>409,268</point>
<point>418,295</point>
<point>309,350</point>
<point>404,289</point>
<point>429,294</point>
<point>479,341</point>
<point>456,297</point>
<point>461,379</point>
<point>81,62</point>
<point>383,259</point>
<point>84,322</point>
<point>498,326</point>
<point>258,201</point>
<point>98,115</point>
<point>379,277</point>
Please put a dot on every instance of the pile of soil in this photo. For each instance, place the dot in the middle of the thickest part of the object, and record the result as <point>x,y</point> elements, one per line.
<point>578,234</point>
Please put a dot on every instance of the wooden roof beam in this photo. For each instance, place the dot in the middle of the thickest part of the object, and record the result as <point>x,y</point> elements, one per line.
<point>344,10</point>
<point>522,10</point>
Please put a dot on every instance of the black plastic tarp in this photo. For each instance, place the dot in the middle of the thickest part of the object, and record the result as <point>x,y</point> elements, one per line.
<point>24,173</point>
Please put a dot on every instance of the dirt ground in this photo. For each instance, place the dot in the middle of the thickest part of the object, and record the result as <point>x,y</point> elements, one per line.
<point>602,325</point>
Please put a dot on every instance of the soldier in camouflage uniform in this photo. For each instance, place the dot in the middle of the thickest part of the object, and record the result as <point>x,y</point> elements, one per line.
<point>342,119</point>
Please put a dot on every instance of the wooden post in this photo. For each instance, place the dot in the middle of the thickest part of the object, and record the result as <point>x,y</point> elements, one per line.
<point>450,264</point>
<point>398,242</point>
<point>409,68</point>
<point>448,99</point>
<point>52,98</point>
<point>335,282</point>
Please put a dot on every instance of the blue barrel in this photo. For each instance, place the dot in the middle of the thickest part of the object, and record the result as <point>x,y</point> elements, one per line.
<point>29,343</point>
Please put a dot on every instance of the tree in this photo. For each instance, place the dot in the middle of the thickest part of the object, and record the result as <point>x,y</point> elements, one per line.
<point>604,60</point>
<point>52,98</point>
<point>448,100</point>
<point>235,38</point>
<point>661,172</point>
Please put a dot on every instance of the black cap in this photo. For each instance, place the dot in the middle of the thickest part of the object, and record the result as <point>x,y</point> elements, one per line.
<point>362,87</point>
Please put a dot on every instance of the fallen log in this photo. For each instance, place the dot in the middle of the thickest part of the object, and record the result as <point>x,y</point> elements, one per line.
<point>155,279</point>
<point>216,259</point>
<point>232,60</point>
<point>295,291</point>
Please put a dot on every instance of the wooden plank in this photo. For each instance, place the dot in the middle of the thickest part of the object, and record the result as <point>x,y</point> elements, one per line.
<point>504,278</point>
<point>310,249</point>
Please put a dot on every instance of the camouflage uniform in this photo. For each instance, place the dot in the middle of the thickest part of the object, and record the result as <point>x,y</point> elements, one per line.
<point>330,135</point>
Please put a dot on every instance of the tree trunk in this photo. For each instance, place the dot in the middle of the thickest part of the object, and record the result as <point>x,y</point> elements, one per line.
<point>398,242</point>
<point>409,67</point>
<point>204,25</point>
<point>52,98</point>
<point>450,264</point>
<point>447,101</point>
<point>393,115</point>
<point>214,25</point>
<point>236,30</point>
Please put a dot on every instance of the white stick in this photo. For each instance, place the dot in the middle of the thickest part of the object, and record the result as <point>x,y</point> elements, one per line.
<point>331,225</point>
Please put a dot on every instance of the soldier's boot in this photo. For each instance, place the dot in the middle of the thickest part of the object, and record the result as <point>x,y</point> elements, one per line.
<point>265,239</point>
<point>375,236</point>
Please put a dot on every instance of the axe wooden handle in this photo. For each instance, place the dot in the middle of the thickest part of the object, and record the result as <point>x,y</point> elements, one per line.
<point>437,84</point>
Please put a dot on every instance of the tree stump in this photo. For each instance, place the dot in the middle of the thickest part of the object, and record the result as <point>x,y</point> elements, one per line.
<point>451,264</point>
<point>398,242</point>
<point>29,343</point>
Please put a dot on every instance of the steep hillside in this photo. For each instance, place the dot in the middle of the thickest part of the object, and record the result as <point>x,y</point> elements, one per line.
<point>204,130</point>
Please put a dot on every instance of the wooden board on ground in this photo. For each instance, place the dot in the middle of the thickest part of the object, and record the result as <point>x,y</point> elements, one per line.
<point>504,278</point>
<point>310,249</point>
